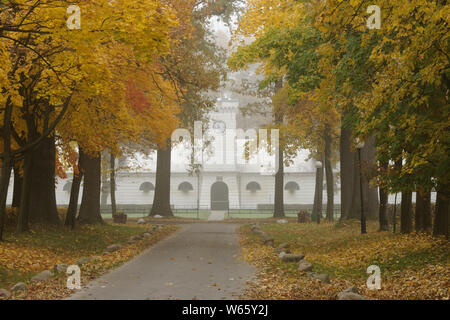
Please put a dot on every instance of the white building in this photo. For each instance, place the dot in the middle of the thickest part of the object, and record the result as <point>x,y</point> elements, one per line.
<point>226,180</point>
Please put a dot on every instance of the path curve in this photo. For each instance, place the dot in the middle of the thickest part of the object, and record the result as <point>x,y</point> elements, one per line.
<point>200,261</point>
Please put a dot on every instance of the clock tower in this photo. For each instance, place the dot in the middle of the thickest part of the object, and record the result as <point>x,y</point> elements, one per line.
<point>222,130</point>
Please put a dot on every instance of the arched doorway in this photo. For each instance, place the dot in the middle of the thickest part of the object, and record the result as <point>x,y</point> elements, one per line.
<point>219,196</point>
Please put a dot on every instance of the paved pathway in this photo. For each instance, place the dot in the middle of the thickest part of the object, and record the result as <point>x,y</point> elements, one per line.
<point>201,261</point>
<point>217,216</point>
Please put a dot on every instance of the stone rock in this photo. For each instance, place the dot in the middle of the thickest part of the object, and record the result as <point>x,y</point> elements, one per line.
<point>141,221</point>
<point>60,268</point>
<point>83,260</point>
<point>43,276</point>
<point>135,238</point>
<point>131,241</point>
<point>284,247</point>
<point>114,247</point>
<point>19,286</point>
<point>282,221</point>
<point>269,242</point>
<point>5,294</point>
<point>291,257</point>
<point>304,266</point>
<point>352,289</point>
<point>350,296</point>
<point>322,277</point>
<point>146,234</point>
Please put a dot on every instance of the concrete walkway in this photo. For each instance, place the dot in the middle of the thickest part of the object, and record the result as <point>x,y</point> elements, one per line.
<point>201,261</point>
<point>217,216</point>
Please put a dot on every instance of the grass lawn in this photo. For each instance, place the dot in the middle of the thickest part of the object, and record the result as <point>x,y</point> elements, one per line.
<point>24,255</point>
<point>414,266</point>
<point>192,214</point>
<point>252,214</point>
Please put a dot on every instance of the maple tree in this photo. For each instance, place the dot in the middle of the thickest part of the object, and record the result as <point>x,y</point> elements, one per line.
<point>80,73</point>
<point>405,86</point>
<point>194,66</point>
<point>268,23</point>
<point>378,85</point>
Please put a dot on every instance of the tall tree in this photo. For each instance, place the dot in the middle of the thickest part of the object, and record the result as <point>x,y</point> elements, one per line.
<point>318,193</point>
<point>406,212</point>
<point>90,202</point>
<point>72,210</point>
<point>194,66</point>
<point>423,210</point>
<point>384,196</point>
<point>442,213</point>
<point>329,174</point>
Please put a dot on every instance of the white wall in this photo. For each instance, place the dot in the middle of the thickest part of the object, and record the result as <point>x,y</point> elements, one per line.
<point>128,190</point>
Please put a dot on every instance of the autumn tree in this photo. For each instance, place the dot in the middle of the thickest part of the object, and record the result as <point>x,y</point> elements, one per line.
<point>51,61</point>
<point>194,66</point>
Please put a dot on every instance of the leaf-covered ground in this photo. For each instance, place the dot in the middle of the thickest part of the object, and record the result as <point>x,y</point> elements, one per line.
<point>414,266</point>
<point>24,255</point>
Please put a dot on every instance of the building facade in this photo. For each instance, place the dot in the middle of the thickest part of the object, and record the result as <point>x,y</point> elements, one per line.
<point>226,179</point>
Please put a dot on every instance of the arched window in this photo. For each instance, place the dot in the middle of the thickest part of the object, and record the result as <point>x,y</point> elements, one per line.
<point>253,186</point>
<point>291,186</point>
<point>147,187</point>
<point>185,187</point>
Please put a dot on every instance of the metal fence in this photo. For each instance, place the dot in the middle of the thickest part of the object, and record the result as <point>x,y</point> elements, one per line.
<point>203,212</point>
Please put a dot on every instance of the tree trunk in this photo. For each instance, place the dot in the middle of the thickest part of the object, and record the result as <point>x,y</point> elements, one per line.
<point>74,193</point>
<point>427,224</point>
<point>329,176</point>
<point>18,179</point>
<point>382,215</point>
<point>384,195</point>
<point>161,200</point>
<point>363,212</point>
<point>43,207</point>
<point>113,184</point>
<point>105,184</point>
<point>4,184</point>
<point>355,211</point>
<point>406,212</point>
<point>318,195</point>
<point>347,163</point>
<point>90,201</point>
<point>370,193</point>
<point>6,163</point>
<point>279,187</point>
<point>441,216</point>
<point>423,210</point>
<point>24,210</point>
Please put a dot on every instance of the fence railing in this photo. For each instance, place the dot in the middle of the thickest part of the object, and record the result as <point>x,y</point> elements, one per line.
<point>203,212</point>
